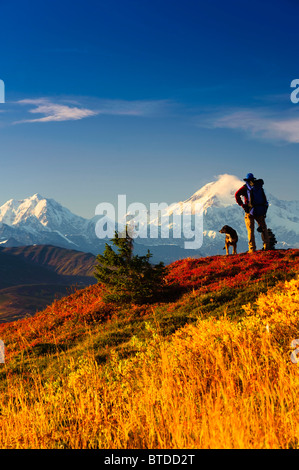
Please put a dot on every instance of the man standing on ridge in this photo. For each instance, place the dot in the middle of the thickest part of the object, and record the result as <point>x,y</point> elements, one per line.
<point>255,205</point>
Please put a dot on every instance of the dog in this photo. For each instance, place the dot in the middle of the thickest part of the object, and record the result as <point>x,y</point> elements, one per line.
<point>231,239</point>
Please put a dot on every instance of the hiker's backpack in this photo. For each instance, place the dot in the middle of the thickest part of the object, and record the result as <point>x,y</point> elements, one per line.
<point>257,201</point>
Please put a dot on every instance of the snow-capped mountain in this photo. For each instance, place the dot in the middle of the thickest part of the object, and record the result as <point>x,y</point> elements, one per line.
<point>217,202</point>
<point>39,220</point>
<point>219,207</point>
<point>219,193</point>
<point>37,213</point>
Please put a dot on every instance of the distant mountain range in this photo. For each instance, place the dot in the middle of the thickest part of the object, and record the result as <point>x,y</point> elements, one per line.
<point>43,221</point>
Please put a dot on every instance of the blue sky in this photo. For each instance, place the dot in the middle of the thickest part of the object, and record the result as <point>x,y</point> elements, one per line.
<point>148,98</point>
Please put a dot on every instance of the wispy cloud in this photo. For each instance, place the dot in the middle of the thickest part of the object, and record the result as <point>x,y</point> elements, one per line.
<point>53,111</point>
<point>71,109</point>
<point>259,123</point>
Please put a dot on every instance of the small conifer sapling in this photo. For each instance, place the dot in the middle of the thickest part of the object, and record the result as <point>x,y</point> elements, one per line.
<point>126,277</point>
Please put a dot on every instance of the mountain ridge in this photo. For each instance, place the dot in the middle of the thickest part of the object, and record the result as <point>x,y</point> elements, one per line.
<point>31,277</point>
<point>62,261</point>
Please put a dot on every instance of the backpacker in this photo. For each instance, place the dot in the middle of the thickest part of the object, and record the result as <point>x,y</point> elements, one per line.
<point>257,201</point>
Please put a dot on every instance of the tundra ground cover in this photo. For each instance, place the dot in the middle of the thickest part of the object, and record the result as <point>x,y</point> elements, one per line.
<point>209,369</point>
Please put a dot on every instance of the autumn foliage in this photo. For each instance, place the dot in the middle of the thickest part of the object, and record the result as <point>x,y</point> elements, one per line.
<point>217,272</point>
<point>210,368</point>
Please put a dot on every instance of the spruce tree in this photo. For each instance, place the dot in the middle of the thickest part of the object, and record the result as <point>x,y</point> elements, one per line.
<point>128,278</point>
<point>272,239</point>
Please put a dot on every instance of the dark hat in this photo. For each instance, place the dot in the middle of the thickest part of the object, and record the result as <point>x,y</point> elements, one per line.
<point>249,177</point>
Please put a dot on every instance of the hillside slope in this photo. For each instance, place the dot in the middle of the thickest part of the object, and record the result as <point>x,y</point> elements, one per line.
<point>206,367</point>
<point>15,270</point>
<point>31,277</point>
<point>62,261</point>
<point>199,287</point>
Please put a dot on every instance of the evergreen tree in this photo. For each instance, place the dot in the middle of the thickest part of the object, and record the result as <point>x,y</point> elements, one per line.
<point>272,239</point>
<point>128,278</point>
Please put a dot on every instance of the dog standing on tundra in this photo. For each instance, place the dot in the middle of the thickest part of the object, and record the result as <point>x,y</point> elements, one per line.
<point>231,238</point>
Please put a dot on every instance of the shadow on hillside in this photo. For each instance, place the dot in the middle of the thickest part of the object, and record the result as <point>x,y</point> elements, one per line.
<point>42,349</point>
<point>169,293</point>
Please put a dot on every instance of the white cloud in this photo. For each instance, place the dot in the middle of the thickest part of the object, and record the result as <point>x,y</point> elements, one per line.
<point>55,112</point>
<point>261,123</point>
<point>68,109</point>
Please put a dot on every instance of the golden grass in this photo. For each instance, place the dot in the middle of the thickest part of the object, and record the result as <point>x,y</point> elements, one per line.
<point>217,384</point>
